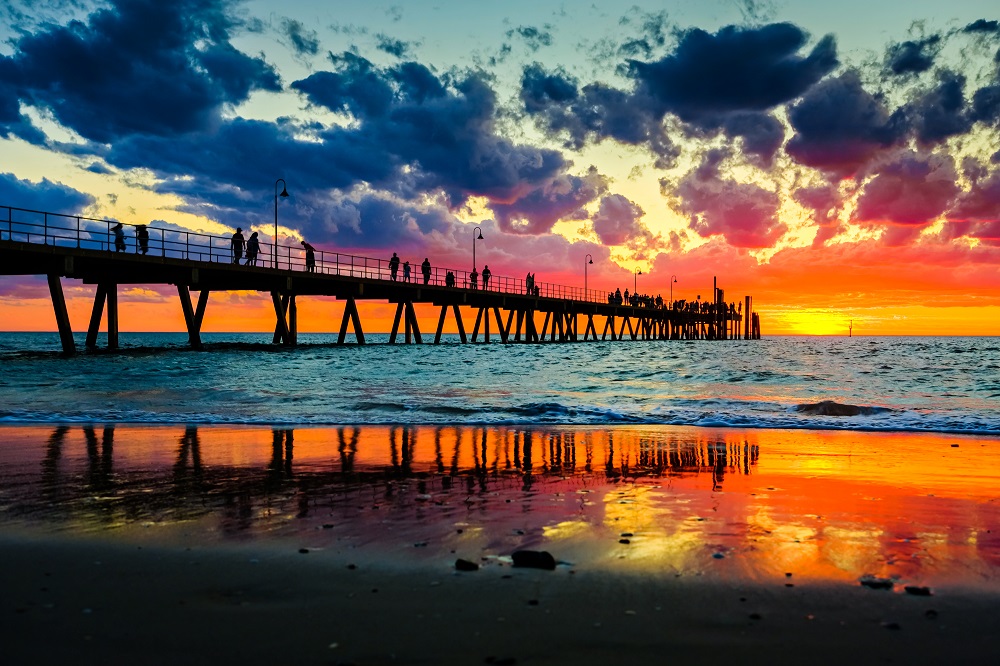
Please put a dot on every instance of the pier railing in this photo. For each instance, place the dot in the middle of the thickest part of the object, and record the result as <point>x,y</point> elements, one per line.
<point>57,229</point>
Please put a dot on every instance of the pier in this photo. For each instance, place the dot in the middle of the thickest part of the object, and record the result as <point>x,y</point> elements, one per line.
<point>72,247</point>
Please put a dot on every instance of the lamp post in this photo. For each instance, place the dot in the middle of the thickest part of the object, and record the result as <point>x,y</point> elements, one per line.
<point>284,194</point>
<point>589,260</point>
<point>635,282</point>
<point>474,239</point>
<point>673,280</point>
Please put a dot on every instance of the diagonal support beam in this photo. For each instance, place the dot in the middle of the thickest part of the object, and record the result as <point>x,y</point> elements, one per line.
<point>62,315</point>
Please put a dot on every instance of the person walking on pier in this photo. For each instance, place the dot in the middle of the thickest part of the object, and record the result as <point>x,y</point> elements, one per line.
<point>474,279</point>
<point>119,232</point>
<point>486,276</point>
<point>238,243</point>
<point>253,249</point>
<point>406,271</point>
<point>393,267</point>
<point>425,268</point>
<point>142,236</point>
<point>310,257</point>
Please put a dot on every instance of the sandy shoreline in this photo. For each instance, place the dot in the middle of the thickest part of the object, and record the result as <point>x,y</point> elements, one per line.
<point>165,545</point>
<point>91,601</point>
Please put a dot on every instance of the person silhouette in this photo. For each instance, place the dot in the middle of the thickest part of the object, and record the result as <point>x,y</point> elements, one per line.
<point>119,232</point>
<point>253,249</point>
<point>238,243</point>
<point>486,276</point>
<point>425,268</point>
<point>310,257</point>
<point>142,236</point>
<point>393,267</point>
<point>406,271</point>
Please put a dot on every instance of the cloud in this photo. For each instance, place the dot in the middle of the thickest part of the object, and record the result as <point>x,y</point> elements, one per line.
<point>617,220</point>
<point>304,42</point>
<point>911,191</point>
<point>736,69</point>
<point>982,25</point>
<point>940,113</point>
<point>537,211</point>
<point>137,67</point>
<point>745,214</point>
<point>913,57</point>
<point>394,47</point>
<point>839,126</point>
<point>724,82</point>
<point>44,196</point>
<point>825,202</point>
<point>535,38</point>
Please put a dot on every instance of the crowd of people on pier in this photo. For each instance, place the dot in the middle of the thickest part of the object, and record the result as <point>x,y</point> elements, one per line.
<point>699,306</point>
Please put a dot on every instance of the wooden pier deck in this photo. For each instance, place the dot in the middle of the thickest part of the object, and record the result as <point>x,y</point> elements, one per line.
<point>78,248</point>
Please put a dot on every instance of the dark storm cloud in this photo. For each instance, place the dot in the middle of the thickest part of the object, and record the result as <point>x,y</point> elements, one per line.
<point>137,67</point>
<point>594,113</point>
<point>941,112</point>
<point>913,57</point>
<point>735,69</point>
<point>716,83</point>
<point>839,126</point>
<point>304,41</point>
<point>986,105</point>
<point>44,196</point>
<point>982,25</point>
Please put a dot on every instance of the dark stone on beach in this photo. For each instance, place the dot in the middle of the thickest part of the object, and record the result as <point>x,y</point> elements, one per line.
<point>831,408</point>
<point>501,661</point>
<point>625,541</point>
<point>532,602</point>
<point>352,567</point>
<point>534,559</point>
<point>718,556</point>
<point>327,526</point>
<point>931,614</point>
<point>877,583</point>
<point>788,574</point>
<point>918,590</point>
<point>892,625</point>
<point>304,551</point>
<point>466,565</point>
<point>755,616</point>
<point>626,534</point>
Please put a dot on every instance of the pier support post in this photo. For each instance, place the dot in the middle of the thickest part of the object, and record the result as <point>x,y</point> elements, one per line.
<point>190,320</point>
<point>500,327</point>
<point>351,315</point>
<point>281,334</point>
<point>62,315</point>
<point>395,324</point>
<point>95,316</point>
<point>112,316</point>
<point>412,327</point>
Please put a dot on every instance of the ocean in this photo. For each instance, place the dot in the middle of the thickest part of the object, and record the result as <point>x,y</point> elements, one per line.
<point>903,384</point>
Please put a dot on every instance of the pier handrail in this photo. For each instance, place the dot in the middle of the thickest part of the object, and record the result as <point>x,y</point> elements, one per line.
<point>59,229</point>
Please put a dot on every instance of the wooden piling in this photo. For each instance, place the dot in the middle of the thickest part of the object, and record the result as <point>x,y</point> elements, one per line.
<point>62,315</point>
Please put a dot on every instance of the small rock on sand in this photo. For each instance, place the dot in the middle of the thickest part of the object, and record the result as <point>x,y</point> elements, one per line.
<point>918,590</point>
<point>876,583</point>
<point>533,559</point>
<point>466,565</point>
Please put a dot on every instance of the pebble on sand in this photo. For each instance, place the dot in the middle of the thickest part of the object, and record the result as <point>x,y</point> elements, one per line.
<point>876,583</point>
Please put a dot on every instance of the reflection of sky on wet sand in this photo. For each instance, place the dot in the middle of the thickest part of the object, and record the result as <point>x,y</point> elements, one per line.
<point>670,501</point>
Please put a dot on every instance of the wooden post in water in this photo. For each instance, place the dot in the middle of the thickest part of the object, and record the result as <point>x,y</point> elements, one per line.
<point>112,316</point>
<point>95,316</point>
<point>194,336</point>
<point>62,315</point>
<point>746,318</point>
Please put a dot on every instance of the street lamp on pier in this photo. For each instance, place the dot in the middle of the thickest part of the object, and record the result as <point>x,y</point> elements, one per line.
<point>589,260</point>
<point>284,195</point>
<point>635,282</point>
<point>474,239</point>
<point>673,281</point>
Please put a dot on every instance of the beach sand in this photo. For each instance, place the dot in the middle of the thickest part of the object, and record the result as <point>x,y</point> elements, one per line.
<point>124,550</point>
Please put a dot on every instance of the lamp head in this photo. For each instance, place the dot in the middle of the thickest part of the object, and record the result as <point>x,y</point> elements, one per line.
<point>480,236</point>
<point>284,192</point>
<point>591,261</point>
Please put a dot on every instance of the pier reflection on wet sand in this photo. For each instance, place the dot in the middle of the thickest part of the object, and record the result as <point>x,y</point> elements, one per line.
<point>672,500</point>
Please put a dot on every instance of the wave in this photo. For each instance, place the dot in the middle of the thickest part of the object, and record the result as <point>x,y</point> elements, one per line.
<point>548,413</point>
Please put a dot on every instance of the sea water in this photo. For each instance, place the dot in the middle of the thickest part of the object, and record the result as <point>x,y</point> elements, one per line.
<point>920,384</point>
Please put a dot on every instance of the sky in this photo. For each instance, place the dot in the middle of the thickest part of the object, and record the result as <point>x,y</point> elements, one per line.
<point>840,162</point>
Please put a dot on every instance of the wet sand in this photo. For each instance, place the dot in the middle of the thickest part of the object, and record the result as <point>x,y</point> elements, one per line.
<point>325,546</point>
